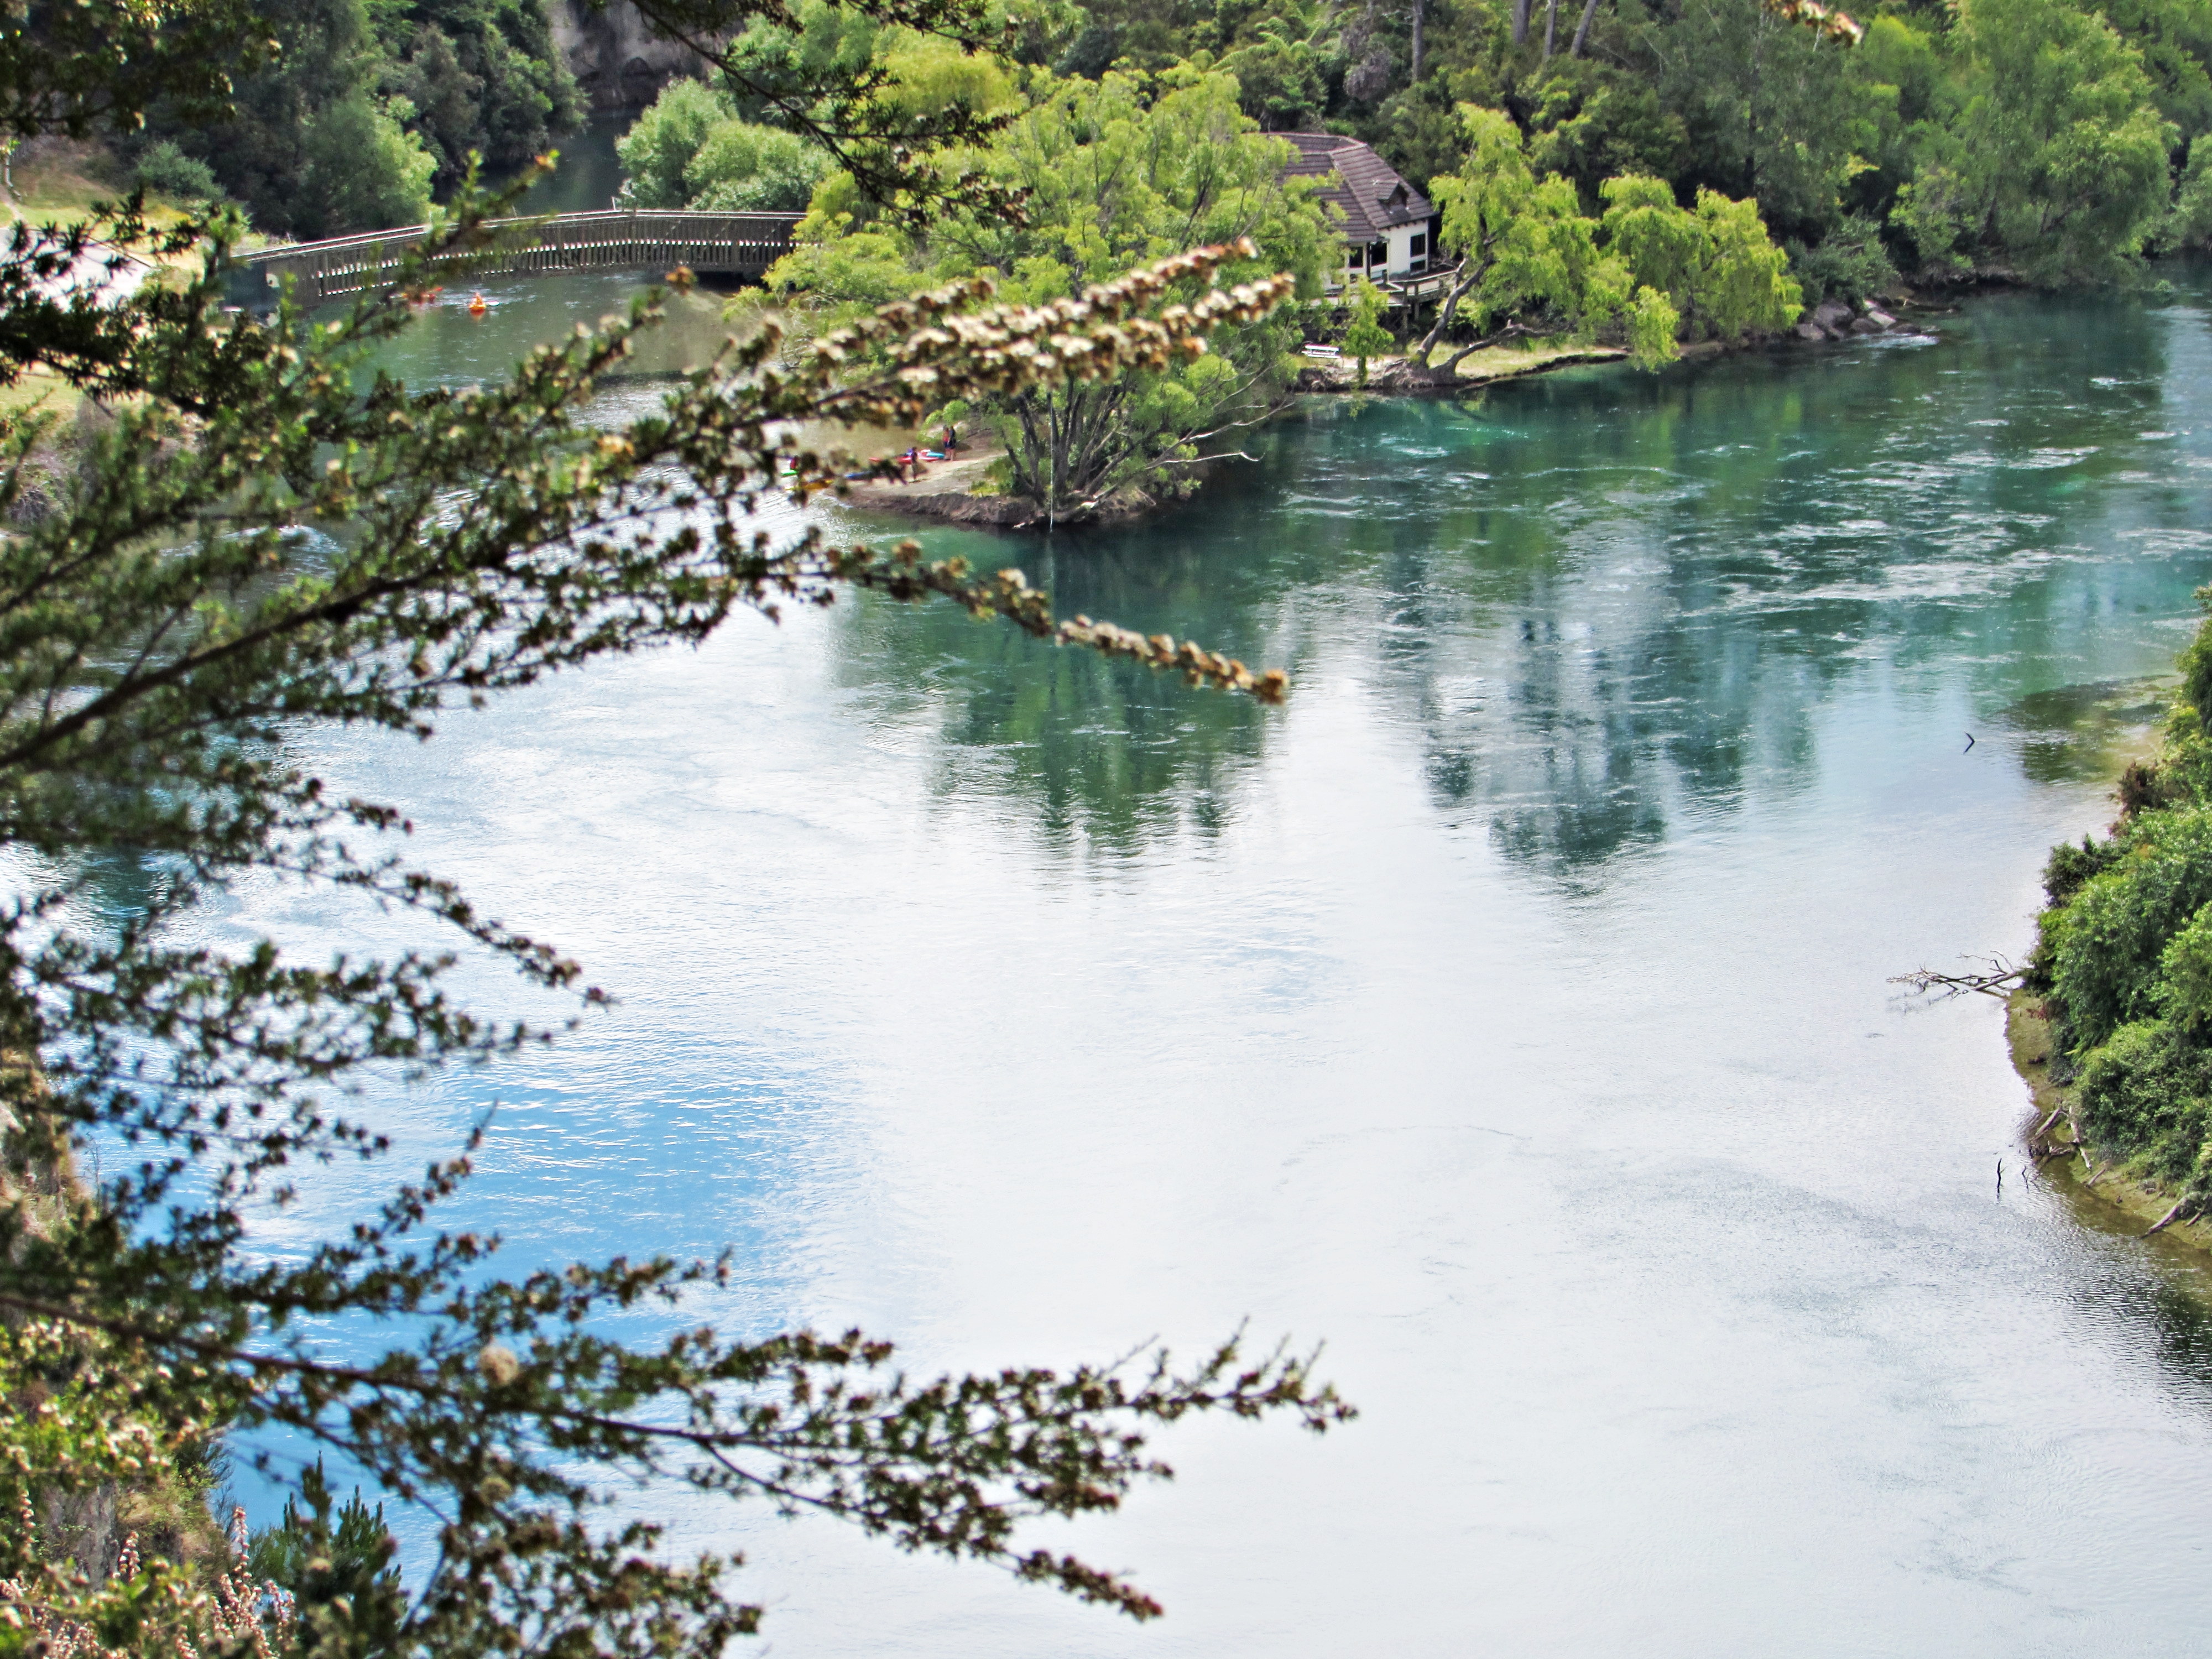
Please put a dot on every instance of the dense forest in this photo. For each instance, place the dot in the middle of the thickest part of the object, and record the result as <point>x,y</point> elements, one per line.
<point>2042,139</point>
<point>368,110</point>
<point>1645,173</point>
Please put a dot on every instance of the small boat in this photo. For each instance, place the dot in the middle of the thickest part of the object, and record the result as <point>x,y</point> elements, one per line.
<point>478,304</point>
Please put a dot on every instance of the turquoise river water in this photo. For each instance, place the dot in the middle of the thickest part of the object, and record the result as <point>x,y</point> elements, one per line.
<point>1511,1010</point>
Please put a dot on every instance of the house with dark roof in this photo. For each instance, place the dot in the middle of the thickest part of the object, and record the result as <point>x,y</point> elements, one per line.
<point>1389,227</point>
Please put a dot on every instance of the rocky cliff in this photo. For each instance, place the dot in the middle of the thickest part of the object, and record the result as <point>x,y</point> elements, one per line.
<point>617,59</point>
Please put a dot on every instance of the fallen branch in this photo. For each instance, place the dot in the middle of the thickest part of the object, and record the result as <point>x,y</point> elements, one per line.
<point>2004,976</point>
<point>2175,1214</point>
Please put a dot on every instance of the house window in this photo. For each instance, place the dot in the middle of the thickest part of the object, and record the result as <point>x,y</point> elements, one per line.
<point>1378,254</point>
<point>1421,248</point>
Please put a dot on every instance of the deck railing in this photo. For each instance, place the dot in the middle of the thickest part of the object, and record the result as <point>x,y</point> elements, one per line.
<point>717,244</point>
<point>1407,288</point>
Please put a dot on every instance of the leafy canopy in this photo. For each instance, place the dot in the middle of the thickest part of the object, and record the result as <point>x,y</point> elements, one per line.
<point>1534,265</point>
<point>1110,180</point>
<point>2124,958</point>
<point>692,150</point>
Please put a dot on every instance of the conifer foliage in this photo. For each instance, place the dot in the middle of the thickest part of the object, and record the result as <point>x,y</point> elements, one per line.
<point>265,532</point>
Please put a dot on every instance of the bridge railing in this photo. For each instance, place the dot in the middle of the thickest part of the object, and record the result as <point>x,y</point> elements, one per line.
<point>738,244</point>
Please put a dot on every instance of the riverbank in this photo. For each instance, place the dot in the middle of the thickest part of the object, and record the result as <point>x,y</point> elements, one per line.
<point>2111,1201</point>
<point>947,492</point>
<point>1396,377</point>
<point>2109,1025</point>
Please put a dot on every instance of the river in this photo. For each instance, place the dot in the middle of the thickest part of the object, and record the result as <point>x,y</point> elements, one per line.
<point>1511,1010</point>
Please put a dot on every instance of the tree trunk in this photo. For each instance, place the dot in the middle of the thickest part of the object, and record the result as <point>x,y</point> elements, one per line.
<point>1582,32</point>
<point>1551,24</point>
<point>1520,22</point>
<point>1471,271</point>
<point>1420,12</point>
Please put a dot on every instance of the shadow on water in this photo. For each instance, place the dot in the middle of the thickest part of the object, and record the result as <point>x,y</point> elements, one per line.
<point>2088,734</point>
<point>1600,601</point>
<point>589,173</point>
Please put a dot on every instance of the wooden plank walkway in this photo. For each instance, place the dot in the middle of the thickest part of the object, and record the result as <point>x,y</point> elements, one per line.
<point>712,244</point>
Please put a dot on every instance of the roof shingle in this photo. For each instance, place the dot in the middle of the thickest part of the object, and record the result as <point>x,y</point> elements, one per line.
<point>1372,196</point>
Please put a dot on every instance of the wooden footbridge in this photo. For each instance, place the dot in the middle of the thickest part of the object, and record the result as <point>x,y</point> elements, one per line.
<point>711,244</point>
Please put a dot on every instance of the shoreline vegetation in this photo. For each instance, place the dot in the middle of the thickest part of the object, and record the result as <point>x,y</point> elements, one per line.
<point>947,490</point>
<point>2108,1202</point>
<point>2110,1021</point>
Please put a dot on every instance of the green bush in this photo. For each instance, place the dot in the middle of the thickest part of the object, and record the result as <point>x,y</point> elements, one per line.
<point>365,170</point>
<point>341,1576</point>
<point>2107,946</point>
<point>660,144</point>
<point>743,168</point>
<point>2185,969</point>
<point>165,170</point>
<point>1849,264</point>
<point>2070,866</point>
<point>2146,1095</point>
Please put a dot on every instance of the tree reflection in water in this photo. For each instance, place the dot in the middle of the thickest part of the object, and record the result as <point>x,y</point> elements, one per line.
<point>1599,602</point>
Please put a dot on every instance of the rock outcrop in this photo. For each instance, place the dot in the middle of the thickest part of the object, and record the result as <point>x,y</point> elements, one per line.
<point>617,61</point>
<point>1833,319</point>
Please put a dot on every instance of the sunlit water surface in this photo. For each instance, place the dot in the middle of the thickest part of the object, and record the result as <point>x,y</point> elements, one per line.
<point>1512,1009</point>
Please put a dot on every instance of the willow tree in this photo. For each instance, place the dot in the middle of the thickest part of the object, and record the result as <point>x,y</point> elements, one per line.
<point>1534,266</point>
<point>1109,177</point>
<point>1530,266</point>
<point>164,623</point>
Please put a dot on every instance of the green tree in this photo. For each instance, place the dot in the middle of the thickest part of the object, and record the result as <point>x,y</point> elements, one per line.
<point>484,77</point>
<point>2174,40</point>
<point>2027,138</point>
<point>1531,262</point>
<point>2058,149</point>
<point>168,171</point>
<point>342,1587</point>
<point>720,146</point>
<point>1722,275</point>
<point>1367,337</point>
<point>311,148</point>
<point>691,150</point>
<point>744,168</point>
<point>364,169</point>
<point>1770,108</point>
<point>658,150</point>
<point>265,535</point>
<point>2189,225</point>
<point>2123,961</point>
<point>1110,181</point>
<point>1280,79</point>
<point>1590,121</point>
